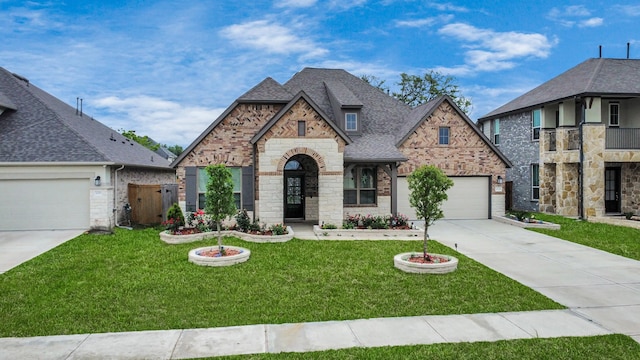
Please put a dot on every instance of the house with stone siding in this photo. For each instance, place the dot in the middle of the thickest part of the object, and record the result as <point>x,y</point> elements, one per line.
<point>62,169</point>
<point>326,144</point>
<point>574,141</point>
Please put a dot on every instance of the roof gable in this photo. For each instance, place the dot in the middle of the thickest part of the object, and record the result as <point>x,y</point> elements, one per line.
<point>268,90</point>
<point>424,111</point>
<point>300,96</point>
<point>591,77</point>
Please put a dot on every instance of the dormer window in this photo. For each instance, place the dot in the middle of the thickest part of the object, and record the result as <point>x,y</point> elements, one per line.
<point>351,121</point>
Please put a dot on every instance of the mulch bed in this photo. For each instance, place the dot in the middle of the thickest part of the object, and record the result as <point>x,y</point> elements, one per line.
<point>433,259</point>
<point>216,253</point>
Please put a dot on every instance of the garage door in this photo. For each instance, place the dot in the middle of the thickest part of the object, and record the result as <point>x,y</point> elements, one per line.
<point>44,204</point>
<point>468,198</point>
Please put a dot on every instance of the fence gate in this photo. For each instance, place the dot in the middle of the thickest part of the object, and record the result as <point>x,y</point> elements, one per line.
<point>149,203</point>
<point>169,196</point>
<point>508,195</point>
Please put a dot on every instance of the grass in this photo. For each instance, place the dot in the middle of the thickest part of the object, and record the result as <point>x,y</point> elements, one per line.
<point>567,348</point>
<point>132,281</point>
<point>619,240</point>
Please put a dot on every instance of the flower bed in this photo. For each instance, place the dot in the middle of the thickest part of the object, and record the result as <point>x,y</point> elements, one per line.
<point>182,239</point>
<point>441,264</point>
<point>210,256</point>
<point>371,234</point>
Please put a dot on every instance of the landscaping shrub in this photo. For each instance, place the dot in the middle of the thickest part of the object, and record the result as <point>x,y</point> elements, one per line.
<point>243,222</point>
<point>175,218</point>
<point>278,229</point>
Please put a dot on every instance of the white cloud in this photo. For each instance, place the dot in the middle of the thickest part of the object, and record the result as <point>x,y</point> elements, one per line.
<point>489,50</point>
<point>573,15</point>
<point>164,121</point>
<point>273,38</point>
<point>425,22</point>
<point>593,22</point>
<point>629,10</point>
<point>345,4</point>
<point>295,3</point>
<point>448,7</point>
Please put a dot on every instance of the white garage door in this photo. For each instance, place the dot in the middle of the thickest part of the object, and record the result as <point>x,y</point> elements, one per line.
<point>44,204</point>
<point>468,198</point>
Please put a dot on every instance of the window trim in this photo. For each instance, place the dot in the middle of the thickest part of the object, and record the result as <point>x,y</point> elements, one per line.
<point>535,186</point>
<point>617,105</point>
<point>302,128</point>
<point>535,135</point>
<point>346,121</point>
<point>236,194</point>
<point>441,137</point>
<point>359,189</point>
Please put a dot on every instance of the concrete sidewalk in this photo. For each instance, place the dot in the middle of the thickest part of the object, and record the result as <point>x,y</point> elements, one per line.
<point>317,336</point>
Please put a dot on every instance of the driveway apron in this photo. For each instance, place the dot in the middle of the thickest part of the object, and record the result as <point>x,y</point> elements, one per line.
<point>17,247</point>
<point>595,284</point>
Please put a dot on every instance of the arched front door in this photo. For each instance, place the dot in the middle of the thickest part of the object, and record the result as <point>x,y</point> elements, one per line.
<point>300,182</point>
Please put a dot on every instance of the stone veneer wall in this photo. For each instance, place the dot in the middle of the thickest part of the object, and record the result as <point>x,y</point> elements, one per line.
<point>517,144</point>
<point>280,143</point>
<point>631,188</point>
<point>593,138</point>
<point>466,155</point>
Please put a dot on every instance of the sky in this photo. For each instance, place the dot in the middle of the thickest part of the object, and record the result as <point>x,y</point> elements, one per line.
<point>167,69</point>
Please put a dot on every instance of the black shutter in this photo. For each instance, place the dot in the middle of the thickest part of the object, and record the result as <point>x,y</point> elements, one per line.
<point>191,188</point>
<point>247,188</point>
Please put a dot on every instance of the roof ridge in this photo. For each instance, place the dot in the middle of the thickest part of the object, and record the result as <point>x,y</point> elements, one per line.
<point>595,74</point>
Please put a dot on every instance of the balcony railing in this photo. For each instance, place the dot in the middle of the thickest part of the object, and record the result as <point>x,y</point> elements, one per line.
<point>621,138</point>
<point>550,139</point>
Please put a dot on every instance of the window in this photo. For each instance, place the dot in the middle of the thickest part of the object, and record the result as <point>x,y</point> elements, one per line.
<point>302,128</point>
<point>203,177</point>
<point>535,124</point>
<point>360,186</point>
<point>535,182</point>
<point>443,136</point>
<point>496,131</point>
<point>614,114</point>
<point>351,121</point>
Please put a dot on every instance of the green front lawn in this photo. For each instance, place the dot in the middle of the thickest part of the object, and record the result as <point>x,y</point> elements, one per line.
<point>132,281</point>
<point>620,240</point>
<point>608,347</point>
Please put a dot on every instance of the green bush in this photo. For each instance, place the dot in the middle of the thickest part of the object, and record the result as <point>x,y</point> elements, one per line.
<point>329,226</point>
<point>278,229</point>
<point>175,218</point>
<point>243,222</point>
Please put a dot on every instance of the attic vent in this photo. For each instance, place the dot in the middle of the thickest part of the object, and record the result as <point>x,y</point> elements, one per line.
<point>79,106</point>
<point>20,77</point>
<point>112,138</point>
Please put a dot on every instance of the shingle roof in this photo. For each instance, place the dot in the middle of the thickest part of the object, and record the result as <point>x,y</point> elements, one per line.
<point>591,77</point>
<point>268,90</point>
<point>42,128</point>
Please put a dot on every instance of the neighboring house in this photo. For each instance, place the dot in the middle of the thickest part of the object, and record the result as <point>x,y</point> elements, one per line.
<point>51,157</point>
<point>327,144</point>
<point>574,141</point>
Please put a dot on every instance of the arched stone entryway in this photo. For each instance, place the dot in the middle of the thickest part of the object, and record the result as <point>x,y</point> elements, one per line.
<point>300,188</point>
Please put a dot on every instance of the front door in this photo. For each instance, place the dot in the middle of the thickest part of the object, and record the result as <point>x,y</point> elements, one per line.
<point>612,189</point>
<point>294,196</point>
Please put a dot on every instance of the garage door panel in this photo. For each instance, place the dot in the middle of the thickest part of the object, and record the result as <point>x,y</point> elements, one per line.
<point>468,198</point>
<point>44,204</point>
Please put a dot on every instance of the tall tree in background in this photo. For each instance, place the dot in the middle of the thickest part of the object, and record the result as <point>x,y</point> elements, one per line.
<point>142,140</point>
<point>416,90</point>
<point>176,149</point>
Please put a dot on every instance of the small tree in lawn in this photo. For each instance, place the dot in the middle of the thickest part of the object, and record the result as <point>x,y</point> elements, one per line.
<point>220,203</point>
<point>428,186</point>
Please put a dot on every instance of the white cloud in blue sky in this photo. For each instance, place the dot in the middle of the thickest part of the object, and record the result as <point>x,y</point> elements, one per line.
<point>167,69</point>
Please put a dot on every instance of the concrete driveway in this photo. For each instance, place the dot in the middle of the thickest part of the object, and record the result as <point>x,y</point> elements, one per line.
<point>597,285</point>
<point>17,247</point>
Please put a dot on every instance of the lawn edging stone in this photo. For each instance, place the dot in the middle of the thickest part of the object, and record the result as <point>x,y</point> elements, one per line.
<point>198,259</point>
<point>184,239</point>
<point>367,233</point>
<point>401,262</point>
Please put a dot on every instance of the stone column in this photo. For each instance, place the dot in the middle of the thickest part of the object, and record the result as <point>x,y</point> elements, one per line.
<point>593,168</point>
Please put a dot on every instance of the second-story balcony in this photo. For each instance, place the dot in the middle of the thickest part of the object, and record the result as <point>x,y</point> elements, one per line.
<point>622,138</point>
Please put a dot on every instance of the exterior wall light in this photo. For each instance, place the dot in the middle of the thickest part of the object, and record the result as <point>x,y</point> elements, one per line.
<point>499,179</point>
<point>98,182</point>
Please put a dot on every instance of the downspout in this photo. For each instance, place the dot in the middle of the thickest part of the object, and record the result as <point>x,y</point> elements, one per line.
<point>581,161</point>
<point>115,195</point>
<point>255,208</point>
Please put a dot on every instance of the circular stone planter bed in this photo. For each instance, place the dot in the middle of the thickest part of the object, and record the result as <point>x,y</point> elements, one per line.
<point>442,263</point>
<point>209,256</point>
